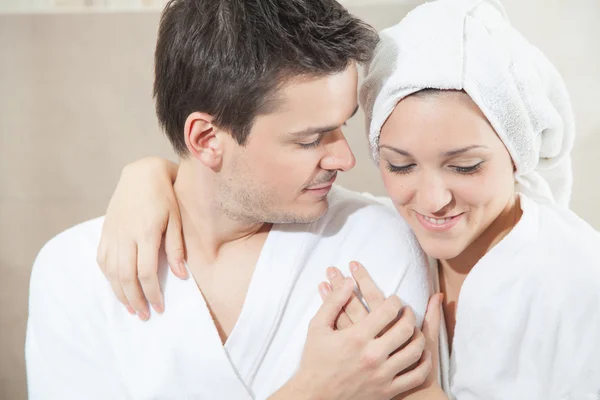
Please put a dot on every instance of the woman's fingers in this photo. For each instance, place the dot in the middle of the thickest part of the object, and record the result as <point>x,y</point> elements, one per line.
<point>174,246</point>
<point>128,278</point>
<point>332,306</point>
<point>355,310</point>
<point>147,270</point>
<point>343,321</point>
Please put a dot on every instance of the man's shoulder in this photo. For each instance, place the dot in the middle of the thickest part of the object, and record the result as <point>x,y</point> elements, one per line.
<point>78,240</point>
<point>69,257</point>
<point>364,209</point>
<point>365,224</point>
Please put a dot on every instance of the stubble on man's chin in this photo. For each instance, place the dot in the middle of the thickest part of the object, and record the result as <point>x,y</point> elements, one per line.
<point>267,213</point>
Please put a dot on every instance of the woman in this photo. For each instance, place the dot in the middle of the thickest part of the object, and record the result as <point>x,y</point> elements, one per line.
<point>472,129</point>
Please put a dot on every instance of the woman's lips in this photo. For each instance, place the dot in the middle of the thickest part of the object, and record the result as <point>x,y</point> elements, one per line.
<point>438,224</point>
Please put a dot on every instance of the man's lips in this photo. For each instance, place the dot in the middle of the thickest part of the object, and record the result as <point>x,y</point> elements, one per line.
<point>323,185</point>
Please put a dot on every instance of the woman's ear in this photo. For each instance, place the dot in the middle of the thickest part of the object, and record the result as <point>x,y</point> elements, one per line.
<point>202,140</point>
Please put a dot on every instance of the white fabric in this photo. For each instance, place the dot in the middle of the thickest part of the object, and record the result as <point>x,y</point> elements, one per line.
<point>528,317</point>
<point>82,344</point>
<point>470,45</point>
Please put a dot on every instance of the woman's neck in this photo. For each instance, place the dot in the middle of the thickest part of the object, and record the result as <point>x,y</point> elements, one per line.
<point>502,225</point>
<point>452,273</point>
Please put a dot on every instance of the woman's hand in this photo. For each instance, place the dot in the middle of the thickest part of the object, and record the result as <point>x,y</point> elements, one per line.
<point>141,210</point>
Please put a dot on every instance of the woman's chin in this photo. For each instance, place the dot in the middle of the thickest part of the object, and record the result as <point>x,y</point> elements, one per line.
<point>441,249</point>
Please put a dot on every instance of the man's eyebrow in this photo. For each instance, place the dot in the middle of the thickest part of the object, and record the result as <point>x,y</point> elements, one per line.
<point>320,129</point>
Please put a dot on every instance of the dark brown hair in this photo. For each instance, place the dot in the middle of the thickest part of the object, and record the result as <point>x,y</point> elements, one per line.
<point>227,58</point>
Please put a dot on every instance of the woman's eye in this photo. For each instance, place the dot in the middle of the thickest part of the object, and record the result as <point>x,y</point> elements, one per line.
<point>403,169</point>
<point>468,170</point>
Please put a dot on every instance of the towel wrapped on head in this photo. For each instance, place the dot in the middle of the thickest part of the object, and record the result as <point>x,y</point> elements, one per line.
<point>470,45</point>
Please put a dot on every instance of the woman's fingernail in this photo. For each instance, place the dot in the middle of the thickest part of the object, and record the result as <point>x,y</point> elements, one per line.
<point>159,308</point>
<point>182,269</point>
<point>143,315</point>
<point>353,266</point>
<point>130,310</point>
<point>331,273</point>
<point>325,288</point>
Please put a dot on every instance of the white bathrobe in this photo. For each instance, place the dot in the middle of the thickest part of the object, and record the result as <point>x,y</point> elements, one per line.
<point>528,317</point>
<point>82,343</point>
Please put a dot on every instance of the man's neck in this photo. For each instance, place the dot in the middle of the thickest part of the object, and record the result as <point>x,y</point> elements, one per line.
<point>207,229</point>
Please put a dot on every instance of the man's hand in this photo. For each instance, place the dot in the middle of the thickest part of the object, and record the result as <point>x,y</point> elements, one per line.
<point>426,339</point>
<point>360,361</point>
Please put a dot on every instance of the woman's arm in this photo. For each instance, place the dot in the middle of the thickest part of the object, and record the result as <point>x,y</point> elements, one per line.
<point>142,209</point>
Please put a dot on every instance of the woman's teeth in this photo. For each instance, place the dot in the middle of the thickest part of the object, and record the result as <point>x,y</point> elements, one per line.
<point>437,221</point>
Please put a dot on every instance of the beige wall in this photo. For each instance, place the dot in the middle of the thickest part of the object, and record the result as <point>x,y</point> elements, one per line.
<point>75,106</point>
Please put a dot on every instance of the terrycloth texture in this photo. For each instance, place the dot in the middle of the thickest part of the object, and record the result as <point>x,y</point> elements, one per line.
<point>82,343</point>
<point>470,45</point>
<point>528,323</point>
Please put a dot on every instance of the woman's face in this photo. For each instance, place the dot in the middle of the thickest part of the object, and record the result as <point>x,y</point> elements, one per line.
<point>446,170</point>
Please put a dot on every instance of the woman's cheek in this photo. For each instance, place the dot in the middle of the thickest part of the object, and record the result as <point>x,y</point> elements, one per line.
<point>398,187</point>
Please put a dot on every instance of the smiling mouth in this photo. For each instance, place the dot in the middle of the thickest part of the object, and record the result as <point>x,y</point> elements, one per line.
<point>439,221</point>
<point>438,224</point>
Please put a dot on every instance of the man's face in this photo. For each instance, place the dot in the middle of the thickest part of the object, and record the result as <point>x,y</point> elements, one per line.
<point>286,168</point>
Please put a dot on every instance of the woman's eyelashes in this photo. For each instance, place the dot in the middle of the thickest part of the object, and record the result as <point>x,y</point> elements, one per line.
<point>468,170</point>
<point>405,169</point>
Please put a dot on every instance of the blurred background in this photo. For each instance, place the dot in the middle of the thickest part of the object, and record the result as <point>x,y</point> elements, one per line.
<point>76,106</point>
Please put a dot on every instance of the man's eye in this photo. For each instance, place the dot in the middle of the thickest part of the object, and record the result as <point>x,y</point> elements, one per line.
<point>312,144</point>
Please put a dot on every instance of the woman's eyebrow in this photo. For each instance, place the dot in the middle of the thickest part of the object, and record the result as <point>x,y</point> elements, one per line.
<point>450,153</point>
<point>462,150</point>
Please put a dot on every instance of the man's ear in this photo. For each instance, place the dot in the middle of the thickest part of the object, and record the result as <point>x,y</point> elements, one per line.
<point>202,140</point>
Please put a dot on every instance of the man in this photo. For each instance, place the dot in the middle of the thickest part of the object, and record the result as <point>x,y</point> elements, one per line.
<point>252,95</point>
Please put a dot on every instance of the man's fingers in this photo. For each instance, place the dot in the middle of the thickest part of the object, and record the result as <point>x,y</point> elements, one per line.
<point>333,305</point>
<point>369,290</point>
<point>408,356</point>
<point>147,269</point>
<point>343,321</point>
<point>355,310</point>
<point>382,316</point>
<point>174,245</point>
<point>127,267</point>
<point>414,378</point>
<point>400,334</point>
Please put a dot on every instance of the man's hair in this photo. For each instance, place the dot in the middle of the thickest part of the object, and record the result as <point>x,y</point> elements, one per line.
<point>228,58</point>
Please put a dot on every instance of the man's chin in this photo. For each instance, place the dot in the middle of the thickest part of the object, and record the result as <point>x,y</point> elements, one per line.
<point>307,216</point>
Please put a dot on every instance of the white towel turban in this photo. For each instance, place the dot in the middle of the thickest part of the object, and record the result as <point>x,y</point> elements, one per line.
<point>470,45</point>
